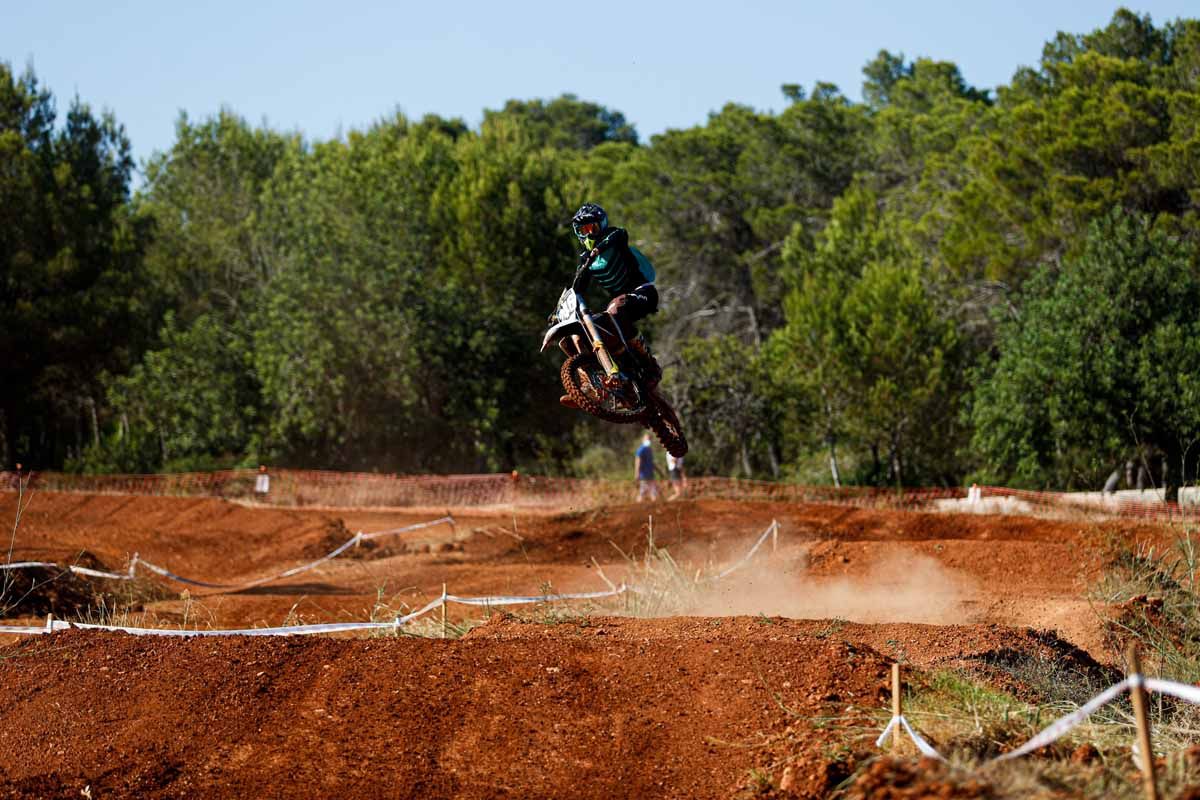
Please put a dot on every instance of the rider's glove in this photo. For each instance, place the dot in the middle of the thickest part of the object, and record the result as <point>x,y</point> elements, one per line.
<point>579,284</point>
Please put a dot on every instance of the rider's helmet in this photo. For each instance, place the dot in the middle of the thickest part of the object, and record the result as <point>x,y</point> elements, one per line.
<point>589,223</point>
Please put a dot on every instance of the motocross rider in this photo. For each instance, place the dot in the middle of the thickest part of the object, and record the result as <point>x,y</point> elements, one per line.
<point>624,273</point>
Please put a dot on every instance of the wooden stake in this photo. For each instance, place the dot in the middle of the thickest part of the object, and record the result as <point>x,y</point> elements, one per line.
<point>1138,695</point>
<point>443,611</point>
<point>896,731</point>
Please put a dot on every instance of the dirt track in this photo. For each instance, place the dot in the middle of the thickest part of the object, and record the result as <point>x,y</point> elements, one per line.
<point>602,708</point>
<point>857,564</point>
<point>587,707</point>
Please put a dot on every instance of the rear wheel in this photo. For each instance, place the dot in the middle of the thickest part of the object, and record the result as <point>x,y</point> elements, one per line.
<point>583,380</point>
<point>665,423</point>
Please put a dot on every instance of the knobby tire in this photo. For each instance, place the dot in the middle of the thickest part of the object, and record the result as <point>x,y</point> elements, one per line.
<point>661,419</point>
<point>572,383</point>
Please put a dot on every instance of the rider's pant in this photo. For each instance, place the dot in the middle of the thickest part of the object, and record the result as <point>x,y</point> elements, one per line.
<point>628,308</point>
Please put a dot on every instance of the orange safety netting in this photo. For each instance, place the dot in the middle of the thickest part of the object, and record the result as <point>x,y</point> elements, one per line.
<point>289,487</point>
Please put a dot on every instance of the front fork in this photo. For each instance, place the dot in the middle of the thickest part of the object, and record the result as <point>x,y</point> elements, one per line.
<point>602,355</point>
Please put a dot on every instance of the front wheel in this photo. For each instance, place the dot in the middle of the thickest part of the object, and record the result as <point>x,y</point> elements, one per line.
<point>662,419</point>
<point>583,380</point>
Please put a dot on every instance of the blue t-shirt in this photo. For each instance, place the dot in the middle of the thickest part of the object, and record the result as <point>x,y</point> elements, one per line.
<point>645,458</point>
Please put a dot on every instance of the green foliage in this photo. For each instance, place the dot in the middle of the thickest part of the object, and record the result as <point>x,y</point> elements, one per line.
<point>730,401</point>
<point>712,205</point>
<point>211,250</point>
<point>1103,359</point>
<point>73,301</point>
<point>867,358</point>
<point>193,396</point>
<point>1109,119</point>
<point>829,275</point>
<point>566,122</point>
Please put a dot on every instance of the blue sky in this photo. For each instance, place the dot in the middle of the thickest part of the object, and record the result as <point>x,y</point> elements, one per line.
<point>324,68</point>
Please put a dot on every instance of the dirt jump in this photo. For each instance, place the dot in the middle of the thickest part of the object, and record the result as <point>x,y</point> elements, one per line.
<point>707,688</point>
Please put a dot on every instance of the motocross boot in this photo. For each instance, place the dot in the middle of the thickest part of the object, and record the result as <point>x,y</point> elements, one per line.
<point>641,347</point>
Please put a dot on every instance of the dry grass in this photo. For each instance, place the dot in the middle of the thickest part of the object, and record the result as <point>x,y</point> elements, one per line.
<point>7,577</point>
<point>1155,592</point>
<point>971,724</point>
<point>656,585</point>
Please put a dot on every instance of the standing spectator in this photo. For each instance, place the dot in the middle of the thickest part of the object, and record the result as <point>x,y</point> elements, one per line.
<point>677,476</point>
<point>644,469</point>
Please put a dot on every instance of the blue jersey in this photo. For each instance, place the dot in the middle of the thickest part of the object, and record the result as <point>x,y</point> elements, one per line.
<point>645,460</point>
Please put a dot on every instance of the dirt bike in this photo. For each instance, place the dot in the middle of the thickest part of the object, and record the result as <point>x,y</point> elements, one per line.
<point>604,377</point>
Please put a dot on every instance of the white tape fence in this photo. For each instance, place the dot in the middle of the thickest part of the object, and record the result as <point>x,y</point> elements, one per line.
<point>1051,733</point>
<point>53,625</point>
<point>95,573</point>
<point>1060,727</point>
<point>137,561</point>
<point>925,747</point>
<point>772,530</point>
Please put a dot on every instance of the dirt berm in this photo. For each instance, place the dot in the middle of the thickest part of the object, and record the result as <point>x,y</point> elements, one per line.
<point>598,707</point>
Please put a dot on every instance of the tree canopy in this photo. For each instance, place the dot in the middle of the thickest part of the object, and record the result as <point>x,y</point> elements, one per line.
<point>940,281</point>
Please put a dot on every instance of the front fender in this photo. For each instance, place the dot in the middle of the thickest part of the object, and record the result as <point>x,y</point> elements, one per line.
<point>559,331</point>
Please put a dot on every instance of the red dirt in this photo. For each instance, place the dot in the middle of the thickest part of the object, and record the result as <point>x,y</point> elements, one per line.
<point>1041,564</point>
<point>604,707</point>
<point>590,707</point>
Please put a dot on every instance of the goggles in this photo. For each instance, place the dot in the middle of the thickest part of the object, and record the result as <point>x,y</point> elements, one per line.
<point>586,229</point>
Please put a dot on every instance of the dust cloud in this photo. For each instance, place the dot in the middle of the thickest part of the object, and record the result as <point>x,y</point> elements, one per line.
<point>900,587</point>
